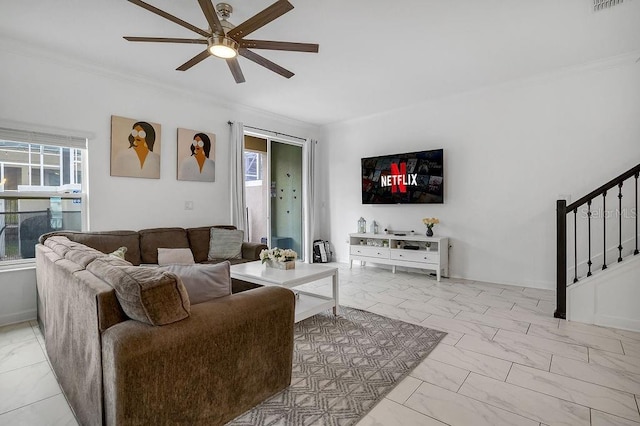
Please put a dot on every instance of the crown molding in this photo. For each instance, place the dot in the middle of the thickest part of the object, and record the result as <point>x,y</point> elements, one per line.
<point>24,49</point>
<point>628,59</point>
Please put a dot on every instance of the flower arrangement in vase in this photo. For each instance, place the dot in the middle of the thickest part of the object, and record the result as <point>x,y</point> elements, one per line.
<point>429,222</point>
<point>279,258</point>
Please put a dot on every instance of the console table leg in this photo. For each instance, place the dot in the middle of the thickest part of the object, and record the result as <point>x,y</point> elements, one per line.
<point>350,263</point>
<point>438,274</point>
<point>393,269</point>
<point>336,306</point>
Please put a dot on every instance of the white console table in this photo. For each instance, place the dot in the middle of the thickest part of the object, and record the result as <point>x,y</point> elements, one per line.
<point>387,249</point>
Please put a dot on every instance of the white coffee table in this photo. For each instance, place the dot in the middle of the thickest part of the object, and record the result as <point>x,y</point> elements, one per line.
<point>307,304</point>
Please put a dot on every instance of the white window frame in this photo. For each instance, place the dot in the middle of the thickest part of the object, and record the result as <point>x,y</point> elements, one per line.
<point>50,136</point>
<point>259,167</point>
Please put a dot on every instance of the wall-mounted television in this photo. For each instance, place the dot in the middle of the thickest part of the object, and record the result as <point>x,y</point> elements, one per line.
<point>413,177</point>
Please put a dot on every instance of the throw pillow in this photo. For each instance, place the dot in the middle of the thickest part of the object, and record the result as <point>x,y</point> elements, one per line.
<point>225,244</point>
<point>177,256</point>
<point>119,253</point>
<point>145,294</point>
<point>203,282</point>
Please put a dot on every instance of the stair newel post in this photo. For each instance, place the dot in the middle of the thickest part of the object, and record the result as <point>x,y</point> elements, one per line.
<point>636,214</point>
<point>604,230</point>
<point>620,222</point>
<point>575,245</point>
<point>589,263</point>
<point>561,259</point>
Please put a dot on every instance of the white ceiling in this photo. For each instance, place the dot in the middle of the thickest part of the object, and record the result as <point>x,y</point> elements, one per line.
<point>374,55</point>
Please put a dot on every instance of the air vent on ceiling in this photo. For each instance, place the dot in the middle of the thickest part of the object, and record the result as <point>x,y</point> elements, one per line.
<point>599,5</point>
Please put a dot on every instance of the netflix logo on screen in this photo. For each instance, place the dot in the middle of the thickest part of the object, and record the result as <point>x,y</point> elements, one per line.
<point>399,179</point>
<point>414,177</point>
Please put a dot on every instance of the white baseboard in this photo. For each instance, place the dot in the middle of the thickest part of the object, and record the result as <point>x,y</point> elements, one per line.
<point>629,324</point>
<point>17,317</point>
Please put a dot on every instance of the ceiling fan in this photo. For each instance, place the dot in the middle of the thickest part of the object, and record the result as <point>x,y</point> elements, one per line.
<point>226,41</point>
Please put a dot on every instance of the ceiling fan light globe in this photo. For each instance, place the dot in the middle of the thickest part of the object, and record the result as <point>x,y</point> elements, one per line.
<point>222,52</point>
<point>223,47</point>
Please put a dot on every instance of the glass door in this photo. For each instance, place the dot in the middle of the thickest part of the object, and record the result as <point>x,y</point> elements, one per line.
<point>285,161</point>
<point>273,193</point>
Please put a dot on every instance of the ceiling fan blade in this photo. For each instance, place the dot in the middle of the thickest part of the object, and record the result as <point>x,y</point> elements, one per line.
<point>279,45</point>
<point>211,15</point>
<point>195,60</point>
<point>260,60</point>
<point>261,19</point>
<point>167,40</point>
<point>170,17</point>
<point>234,66</point>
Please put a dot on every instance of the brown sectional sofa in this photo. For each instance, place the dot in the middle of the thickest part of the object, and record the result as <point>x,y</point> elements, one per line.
<point>226,356</point>
<point>142,246</point>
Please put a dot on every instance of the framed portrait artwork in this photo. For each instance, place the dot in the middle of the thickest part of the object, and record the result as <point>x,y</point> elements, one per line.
<point>196,156</point>
<point>135,148</point>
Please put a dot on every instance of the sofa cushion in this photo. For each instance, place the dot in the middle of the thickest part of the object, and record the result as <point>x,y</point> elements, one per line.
<point>106,242</point>
<point>203,282</point>
<point>72,251</point>
<point>58,244</point>
<point>115,261</point>
<point>199,239</point>
<point>175,256</point>
<point>231,261</point>
<point>225,244</point>
<point>152,239</point>
<point>83,256</point>
<point>148,295</point>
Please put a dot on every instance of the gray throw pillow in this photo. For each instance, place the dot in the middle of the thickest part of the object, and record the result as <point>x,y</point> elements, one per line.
<point>203,282</point>
<point>178,256</point>
<point>225,244</point>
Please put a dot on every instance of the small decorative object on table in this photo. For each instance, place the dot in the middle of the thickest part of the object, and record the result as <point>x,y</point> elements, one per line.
<point>279,258</point>
<point>374,227</point>
<point>362,226</point>
<point>429,222</point>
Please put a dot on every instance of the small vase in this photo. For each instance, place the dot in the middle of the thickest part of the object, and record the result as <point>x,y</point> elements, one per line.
<point>429,232</point>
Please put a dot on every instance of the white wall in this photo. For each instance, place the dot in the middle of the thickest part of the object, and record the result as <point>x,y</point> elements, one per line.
<point>50,90</point>
<point>509,152</point>
<point>60,92</point>
<point>17,295</point>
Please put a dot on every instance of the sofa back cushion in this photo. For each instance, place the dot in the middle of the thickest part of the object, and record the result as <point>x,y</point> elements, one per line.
<point>199,239</point>
<point>106,242</point>
<point>75,252</point>
<point>147,295</point>
<point>153,239</point>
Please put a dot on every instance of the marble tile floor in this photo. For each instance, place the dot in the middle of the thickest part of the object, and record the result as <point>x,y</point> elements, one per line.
<point>505,360</point>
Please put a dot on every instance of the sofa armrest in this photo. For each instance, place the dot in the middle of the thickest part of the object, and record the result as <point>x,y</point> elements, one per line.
<point>252,251</point>
<point>229,355</point>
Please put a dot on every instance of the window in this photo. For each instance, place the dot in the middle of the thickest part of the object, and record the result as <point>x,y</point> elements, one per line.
<point>252,166</point>
<point>41,189</point>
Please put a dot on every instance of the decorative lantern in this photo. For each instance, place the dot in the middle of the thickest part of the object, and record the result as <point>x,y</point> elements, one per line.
<point>374,228</point>
<point>362,226</point>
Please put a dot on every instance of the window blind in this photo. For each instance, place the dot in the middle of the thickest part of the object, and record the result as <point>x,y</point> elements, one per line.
<point>43,138</point>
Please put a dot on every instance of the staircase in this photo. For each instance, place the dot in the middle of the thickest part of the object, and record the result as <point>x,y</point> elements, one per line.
<point>609,299</point>
<point>597,269</point>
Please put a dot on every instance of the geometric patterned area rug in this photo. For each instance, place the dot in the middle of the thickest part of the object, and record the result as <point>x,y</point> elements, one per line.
<point>342,366</point>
